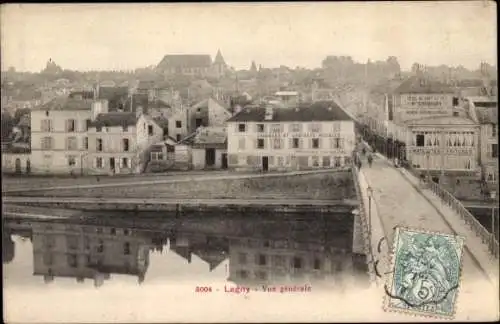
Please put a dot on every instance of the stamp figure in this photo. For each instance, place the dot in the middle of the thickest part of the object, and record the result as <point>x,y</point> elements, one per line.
<point>426,271</point>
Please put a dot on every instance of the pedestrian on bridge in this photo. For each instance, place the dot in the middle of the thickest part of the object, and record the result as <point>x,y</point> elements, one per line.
<point>370,160</point>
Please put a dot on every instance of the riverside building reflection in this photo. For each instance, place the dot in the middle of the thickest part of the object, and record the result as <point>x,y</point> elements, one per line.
<point>288,250</point>
<point>88,252</point>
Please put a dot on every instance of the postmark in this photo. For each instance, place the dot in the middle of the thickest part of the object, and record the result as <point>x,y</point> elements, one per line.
<point>425,273</point>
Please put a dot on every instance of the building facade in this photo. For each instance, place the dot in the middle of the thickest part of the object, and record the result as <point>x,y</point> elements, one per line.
<point>58,136</point>
<point>444,144</point>
<point>484,110</point>
<point>119,142</point>
<point>320,135</point>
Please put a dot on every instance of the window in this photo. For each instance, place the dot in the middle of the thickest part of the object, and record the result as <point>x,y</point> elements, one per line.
<point>178,137</point>
<point>315,161</point>
<point>297,263</point>
<point>420,140</point>
<point>260,128</point>
<point>243,274</point>
<point>71,160</point>
<point>126,248</point>
<point>242,258</point>
<point>261,275</point>
<point>72,242</point>
<point>125,162</point>
<point>125,145</point>
<point>493,130</point>
<point>151,131</point>
<point>198,122</point>
<point>315,143</point>
<point>241,143</point>
<point>47,143</point>
<point>295,143</point>
<point>70,125</point>
<point>241,128</point>
<point>337,161</point>
<point>125,128</point>
<point>99,145</point>
<point>46,125</point>
<point>295,128</point>
<point>178,124</point>
<point>275,128</point>
<point>260,143</point>
<point>87,124</point>
<point>494,150</point>
<point>98,129</point>
<point>98,162</point>
<point>316,128</point>
<point>156,156</point>
<point>71,144</point>
<point>317,264</point>
<point>72,262</point>
<point>277,143</point>
<point>49,241</point>
<point>100,247</point>
<point>261,260</point>
<point>86,143</point>
<point>279,260</point>
<point>326,161</point>
<point>455,101</point>
<point>113,231</point>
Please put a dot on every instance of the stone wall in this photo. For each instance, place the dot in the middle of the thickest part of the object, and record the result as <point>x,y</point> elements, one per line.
<point>335,185</point>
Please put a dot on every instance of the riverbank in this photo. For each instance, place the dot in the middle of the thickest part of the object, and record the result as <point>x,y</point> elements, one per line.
<point>326,185</point>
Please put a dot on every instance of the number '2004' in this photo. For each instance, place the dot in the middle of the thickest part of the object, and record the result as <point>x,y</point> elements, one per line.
<point>203,289</point>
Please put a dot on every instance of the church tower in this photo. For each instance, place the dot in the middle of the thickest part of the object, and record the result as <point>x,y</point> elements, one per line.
<point>219,64</point>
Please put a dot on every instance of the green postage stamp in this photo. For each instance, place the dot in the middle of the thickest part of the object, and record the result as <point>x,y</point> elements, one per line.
<point>426,271</point>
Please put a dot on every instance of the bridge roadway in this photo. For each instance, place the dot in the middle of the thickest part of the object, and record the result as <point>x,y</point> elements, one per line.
<point>399,199</point>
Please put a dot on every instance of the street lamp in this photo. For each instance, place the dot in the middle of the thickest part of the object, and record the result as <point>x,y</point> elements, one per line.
<point>428,155</point>
<point>493,195</point>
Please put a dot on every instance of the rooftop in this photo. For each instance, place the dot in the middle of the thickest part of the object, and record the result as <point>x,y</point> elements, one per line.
<point>422,85</point>
<point>441,120</point>
<point>487,115</point>
<point>112,119</point>
<point>185,60</point>
<point>318,111</point>
<point>112,93</point>
<point>66,103</point>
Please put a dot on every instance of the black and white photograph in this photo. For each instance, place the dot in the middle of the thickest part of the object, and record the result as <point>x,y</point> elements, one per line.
<point>249,162</point>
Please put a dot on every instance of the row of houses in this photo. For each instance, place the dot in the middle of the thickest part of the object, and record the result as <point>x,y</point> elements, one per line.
<point>109,134</point>
<point>108,131</point>
<point>449,136</point>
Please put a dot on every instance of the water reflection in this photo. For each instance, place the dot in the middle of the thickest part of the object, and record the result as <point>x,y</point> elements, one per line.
<point>275,250</point>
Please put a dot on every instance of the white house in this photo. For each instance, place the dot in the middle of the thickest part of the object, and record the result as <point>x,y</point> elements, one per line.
<point>318,135</point>
<point>59,135</point>
<point>118,142</point>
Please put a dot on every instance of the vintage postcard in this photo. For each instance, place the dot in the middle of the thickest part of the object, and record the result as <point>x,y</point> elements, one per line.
<point>249,162</point>
<point>426,272</point>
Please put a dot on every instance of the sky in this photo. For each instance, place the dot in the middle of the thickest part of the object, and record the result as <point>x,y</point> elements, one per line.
<point>129,36</point>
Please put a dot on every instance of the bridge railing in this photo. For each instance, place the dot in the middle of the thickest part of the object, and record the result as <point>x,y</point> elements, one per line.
<point>364,222</point>
<point>469,219</point>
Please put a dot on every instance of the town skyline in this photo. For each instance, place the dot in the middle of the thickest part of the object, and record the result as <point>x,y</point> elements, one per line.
<point>434,33</point>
